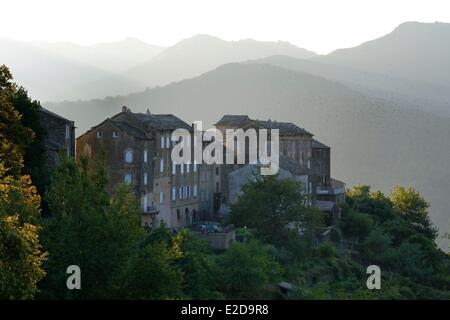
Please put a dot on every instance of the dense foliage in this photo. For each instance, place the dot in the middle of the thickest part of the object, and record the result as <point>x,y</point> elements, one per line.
<point>21,254</point>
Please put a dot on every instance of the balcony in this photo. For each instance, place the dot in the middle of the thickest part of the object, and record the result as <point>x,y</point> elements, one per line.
<point>330,190</point>
<point>323,190</point>
<point>150,210</point>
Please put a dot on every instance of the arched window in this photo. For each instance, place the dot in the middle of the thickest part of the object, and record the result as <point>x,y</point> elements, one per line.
<point>128,155</point>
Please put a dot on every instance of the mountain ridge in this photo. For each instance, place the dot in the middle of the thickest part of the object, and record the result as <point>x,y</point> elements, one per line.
<point>201,53</point>
<point>425,46</point>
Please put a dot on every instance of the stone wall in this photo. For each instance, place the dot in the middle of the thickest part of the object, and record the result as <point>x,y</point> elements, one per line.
<point>60,136</point>
<point>218,240</point>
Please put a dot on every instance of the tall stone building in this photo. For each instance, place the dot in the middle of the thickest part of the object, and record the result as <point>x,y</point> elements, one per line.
<point>137,147</point>
<point>301,158</point>
<point>60,135</point>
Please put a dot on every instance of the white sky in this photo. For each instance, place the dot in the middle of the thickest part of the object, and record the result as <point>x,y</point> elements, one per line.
<point>318,25</point>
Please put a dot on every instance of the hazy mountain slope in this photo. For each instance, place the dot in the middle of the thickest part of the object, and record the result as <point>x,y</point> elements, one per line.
<point>51,77</point>
<point>396,91</point>
<point>413,51</point>
<point>194,56</point>
<point>113,56</point>
<point>372,143</point>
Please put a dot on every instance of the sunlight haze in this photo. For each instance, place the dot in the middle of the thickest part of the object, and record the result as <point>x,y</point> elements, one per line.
<point>321,26</point>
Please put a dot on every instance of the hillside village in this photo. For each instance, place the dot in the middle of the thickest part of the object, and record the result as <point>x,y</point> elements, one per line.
<point>114,200</point>
<point>138,149</point>
<point>96,183</point>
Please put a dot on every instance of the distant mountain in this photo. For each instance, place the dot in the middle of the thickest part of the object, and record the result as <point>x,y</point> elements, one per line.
<point>49,76</point>
<point>395,91</point>
<point>413,51</point>
<point>113,56</point>
<point>372,142</point>
<point>201,53</point>
<point>66,71</point>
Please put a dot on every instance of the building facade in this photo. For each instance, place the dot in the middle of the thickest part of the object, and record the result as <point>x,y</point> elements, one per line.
<point>302,158</point>
<point>60,135</point>
<point>137,148</point>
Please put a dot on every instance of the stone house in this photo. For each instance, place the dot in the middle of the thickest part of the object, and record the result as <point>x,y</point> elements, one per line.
<point>137,147</point>
<point>301,157</point>
<point>328,192</point>
<point>60,135</point>
<point>245,173</point>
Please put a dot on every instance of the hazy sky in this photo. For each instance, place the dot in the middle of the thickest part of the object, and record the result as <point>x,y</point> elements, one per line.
<point>318,25</point>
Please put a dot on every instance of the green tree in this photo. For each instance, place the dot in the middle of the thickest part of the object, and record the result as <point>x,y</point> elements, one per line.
<point>377,247</point>
<point>274,208</point>
<point>21,255</point>
<point>375,204</point>
<point>409,260</point>
<point>14,136</point>
<point>246,270</point>
<point>34,153</point>
<point>21,258</point>
<point>355,225</point>
<point>151,274</point>
<point>89,229</point>
<point>411,205</point>
<point>198,266</point>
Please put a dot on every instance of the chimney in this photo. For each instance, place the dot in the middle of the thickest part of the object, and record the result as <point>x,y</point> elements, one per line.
<point>148,111</point>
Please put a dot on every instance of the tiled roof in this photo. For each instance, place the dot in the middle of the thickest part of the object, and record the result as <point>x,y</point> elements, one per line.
<point>139,124</point>
<point>233,120</point>
<point>162,121</point>
<point>54,115</point>
<point>337,184</point>
<point>319,145</point>
<point>285,128</point>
